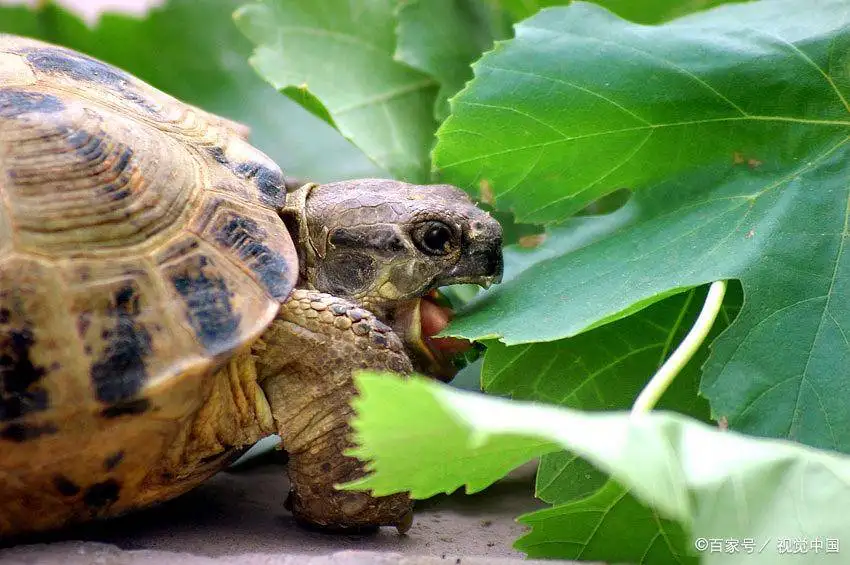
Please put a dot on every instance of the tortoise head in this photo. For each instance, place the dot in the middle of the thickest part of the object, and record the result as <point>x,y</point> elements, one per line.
<point>387,245</point>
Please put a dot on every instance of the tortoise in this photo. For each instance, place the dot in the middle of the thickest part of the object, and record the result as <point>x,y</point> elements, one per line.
<point>166,299</point>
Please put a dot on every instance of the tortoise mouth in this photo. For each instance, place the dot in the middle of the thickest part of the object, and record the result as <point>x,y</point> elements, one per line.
<point>418,320</point>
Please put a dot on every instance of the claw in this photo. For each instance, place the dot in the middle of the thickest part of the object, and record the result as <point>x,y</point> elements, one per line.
<point>405,523</point>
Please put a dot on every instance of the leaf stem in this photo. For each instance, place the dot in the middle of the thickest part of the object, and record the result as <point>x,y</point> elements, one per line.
<point>660,382</point>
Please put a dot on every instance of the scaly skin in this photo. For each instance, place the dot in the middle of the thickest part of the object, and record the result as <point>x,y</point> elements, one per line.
<point>305,362</point>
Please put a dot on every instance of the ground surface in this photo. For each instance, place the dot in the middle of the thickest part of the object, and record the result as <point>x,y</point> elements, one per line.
<point>238,517</point>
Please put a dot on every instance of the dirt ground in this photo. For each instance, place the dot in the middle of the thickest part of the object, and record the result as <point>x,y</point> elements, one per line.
<point>238,517</point>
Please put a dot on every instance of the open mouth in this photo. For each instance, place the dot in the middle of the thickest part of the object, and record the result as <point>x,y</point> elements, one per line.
<point>423,318</point>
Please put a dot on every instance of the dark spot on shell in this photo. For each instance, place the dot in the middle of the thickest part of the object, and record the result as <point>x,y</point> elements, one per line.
<point>81,68</point>
<point>14,103</point>
<point>128,407</point>
<point>379,339</point>
<point>326,467</point>
<point>271,184</point>
<point>381,327</point>
<point>5,315</point>
<point>65,486</point>
<point>78,139</point>
<point>269,181</point>
<point>210,309</point>
<point>245,238</point>
<point>217,153</point>
<point>77,67</point>
<point>21,432</point>
<point>361,328</point>
<point>90,147</point>
<point>102,494</point>
<point>123,160</point>
<point>120,372</point>
<point>20,392</point>
<point>113,460</point>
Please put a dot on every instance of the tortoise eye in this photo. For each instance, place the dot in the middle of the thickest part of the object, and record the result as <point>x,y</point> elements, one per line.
<point>435,238</point>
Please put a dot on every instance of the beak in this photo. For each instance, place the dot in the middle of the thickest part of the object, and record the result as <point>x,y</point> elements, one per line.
<point>481,265</point>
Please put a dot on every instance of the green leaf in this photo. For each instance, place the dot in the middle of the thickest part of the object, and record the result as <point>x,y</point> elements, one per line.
<point>341,53</point>
<point>192,50</point>
<point>443,37</point>
<point>423,437</point>
<point>608,525</point>
<point>643,11</point>
<point>629,95</point>
<point>731,128</point>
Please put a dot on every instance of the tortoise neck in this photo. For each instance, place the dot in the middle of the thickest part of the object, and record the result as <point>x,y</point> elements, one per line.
<point>294,215</point>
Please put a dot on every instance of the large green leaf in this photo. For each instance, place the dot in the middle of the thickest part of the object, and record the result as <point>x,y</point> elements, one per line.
<point>712,484</point>
<point>443,37</point>
<point>642,11</point>
<point>336,57</point>
<point>192,49</point>
<point>731,128</point>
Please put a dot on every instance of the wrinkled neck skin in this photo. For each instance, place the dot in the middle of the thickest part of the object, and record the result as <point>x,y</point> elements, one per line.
<point>294,216</point>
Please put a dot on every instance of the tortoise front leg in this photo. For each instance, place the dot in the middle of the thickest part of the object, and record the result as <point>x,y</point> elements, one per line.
<point>305,362</point>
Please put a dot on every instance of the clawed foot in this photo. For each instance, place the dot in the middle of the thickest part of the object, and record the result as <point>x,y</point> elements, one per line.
<point>352,512</point>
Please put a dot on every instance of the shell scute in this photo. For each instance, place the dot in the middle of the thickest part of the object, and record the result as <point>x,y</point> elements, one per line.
<point>218,299</point>
<point>122,326</point>
<point>209,303</point>
<point>258,241</point>
<point>245,162</point>
<point>84,179</point>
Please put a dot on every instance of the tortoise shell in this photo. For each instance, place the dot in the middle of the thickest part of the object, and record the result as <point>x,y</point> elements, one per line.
<point>140,247</point>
